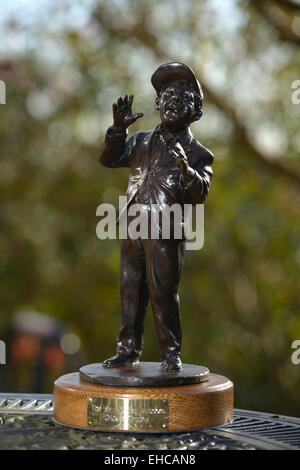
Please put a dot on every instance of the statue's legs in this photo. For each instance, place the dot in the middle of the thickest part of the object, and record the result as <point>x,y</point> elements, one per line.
<point>164,262</point>
<point>134,298</point>
<point>149,267</point>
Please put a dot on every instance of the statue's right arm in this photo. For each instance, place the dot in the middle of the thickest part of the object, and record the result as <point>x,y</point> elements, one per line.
<point>114,152</point>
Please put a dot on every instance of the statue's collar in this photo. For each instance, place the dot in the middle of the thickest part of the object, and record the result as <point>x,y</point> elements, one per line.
<point>183,137</point>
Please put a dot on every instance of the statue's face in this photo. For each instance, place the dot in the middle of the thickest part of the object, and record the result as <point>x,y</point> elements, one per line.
<point>177,105</point>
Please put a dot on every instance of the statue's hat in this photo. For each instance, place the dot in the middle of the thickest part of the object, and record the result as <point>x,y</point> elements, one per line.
<point>172,71</point>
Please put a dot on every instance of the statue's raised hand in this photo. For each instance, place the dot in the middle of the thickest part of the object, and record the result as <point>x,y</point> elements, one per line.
<point>122,114</point>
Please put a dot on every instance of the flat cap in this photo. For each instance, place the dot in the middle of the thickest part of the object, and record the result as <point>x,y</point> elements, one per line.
<point>172,71</point>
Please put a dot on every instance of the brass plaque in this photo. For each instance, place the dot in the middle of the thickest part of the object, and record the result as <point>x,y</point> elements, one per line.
<point>128,414</point>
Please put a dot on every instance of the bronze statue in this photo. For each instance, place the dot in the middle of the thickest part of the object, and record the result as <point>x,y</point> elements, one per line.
<point>169,169</point>
<point>168,166</point>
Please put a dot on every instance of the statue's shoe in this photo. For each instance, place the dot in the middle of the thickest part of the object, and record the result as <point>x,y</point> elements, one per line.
<point>121,360</point>
<point>171,364</point>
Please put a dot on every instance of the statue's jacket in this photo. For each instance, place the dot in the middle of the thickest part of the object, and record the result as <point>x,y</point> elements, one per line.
<point>154,177</point>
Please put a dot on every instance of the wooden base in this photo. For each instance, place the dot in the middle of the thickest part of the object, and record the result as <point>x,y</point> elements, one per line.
<point>143,409</point>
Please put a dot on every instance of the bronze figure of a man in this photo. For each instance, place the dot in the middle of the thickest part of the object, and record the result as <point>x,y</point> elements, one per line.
<point>168,166</point>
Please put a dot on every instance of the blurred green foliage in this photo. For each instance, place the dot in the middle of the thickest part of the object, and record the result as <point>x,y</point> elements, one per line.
<point>240,293</point>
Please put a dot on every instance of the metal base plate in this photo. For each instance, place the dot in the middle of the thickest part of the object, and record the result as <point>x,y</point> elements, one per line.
<point>143,374</point>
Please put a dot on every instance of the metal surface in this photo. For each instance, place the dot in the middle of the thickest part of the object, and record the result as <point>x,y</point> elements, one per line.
<point>128,414</point>
<point>23,426</point>
<point>143,374</point>
<point>281,431</point>
<point>26,403</point>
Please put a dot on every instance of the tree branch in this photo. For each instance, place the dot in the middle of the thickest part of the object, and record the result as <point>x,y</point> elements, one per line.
<point>293,6</point>
<point>140,32</point>
<point>286,33</point>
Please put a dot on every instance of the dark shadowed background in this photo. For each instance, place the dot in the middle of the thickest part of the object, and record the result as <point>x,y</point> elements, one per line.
<point>63,64</point>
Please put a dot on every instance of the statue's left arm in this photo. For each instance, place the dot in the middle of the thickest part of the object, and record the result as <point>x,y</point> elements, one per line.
<point>196,178</point>
<point>196,183</point>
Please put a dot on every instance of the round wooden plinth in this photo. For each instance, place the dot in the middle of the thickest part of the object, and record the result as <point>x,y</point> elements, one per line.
<point>143,409</point>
